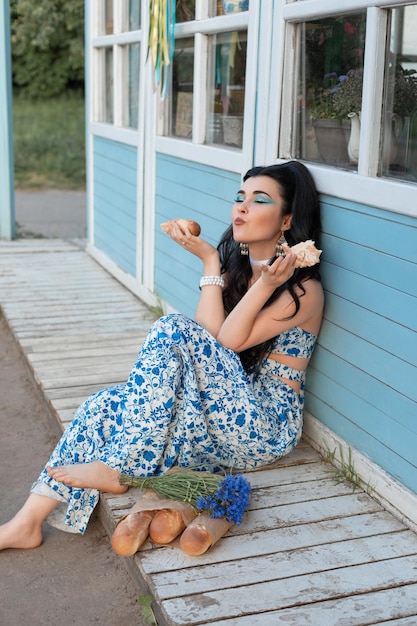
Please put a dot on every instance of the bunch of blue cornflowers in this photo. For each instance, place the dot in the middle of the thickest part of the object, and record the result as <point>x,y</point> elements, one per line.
<point>230,501</point>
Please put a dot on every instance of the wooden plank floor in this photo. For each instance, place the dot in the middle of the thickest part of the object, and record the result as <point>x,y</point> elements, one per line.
<point>310,551</point>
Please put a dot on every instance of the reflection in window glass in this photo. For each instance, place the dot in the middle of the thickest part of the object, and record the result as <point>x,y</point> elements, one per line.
<point>108,17</point>
<point>399,137</point>
<point>329,93</point>
<point>133,87</point>
<point>182,89</point>
<point>130,14</point>
<point>185,10</point>
<point>108,113</point>
<point>227,93</point>
<point>134,14</point>
<point>225,7</point>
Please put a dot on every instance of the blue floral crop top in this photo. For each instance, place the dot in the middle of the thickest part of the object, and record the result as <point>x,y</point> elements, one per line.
<point>295,342</point>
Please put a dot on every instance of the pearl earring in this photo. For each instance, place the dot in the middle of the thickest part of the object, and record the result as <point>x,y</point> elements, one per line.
<point>244,249</point>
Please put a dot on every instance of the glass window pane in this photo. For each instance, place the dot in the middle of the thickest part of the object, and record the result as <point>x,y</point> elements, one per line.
<point>227,94</point>
<point>109,17</point>
<point>329,92</point>
<point>399,137</point>
<point>182,89</point>
<point>134,14</point>
<point>130,14</point>
<point>185,10</point>
<point>225,7</point>
<point>134,57</point>
<point>108,113</point>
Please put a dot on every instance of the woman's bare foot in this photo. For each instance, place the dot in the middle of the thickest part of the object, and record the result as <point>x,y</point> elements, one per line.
<point>24,530</point>
<point>94,475</point>
<point>20,534</point>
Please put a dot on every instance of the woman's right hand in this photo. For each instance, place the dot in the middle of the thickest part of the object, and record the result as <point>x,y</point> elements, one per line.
<point>196,245</point>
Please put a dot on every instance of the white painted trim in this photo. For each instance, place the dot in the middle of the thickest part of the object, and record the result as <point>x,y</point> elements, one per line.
<point>393,496</point>
<point>373,80</point>
<point>266,127</point>
<point>213,25</point>
<point>90,101</point>
<point>388,194</point>
<point>146,203</point>
<point>227,159</point>
<point>128,136</point>
<point>250,113</point>
<point>127,280</point>
<point>120,39</point>
<point>310,9</point>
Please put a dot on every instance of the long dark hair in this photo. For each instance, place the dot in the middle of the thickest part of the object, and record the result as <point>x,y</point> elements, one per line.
<point>300,199</point>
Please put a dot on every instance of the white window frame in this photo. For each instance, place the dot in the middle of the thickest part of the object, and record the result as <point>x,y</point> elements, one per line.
<point>235,160</point>
<point>363,185</point>
<point>114,131</point>
<point>118,41</point>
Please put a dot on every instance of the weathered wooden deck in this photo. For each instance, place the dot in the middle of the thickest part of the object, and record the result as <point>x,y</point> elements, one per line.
<point>310,552</point>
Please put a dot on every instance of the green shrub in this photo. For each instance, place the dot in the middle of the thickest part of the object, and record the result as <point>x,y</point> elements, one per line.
<point>49,141</point>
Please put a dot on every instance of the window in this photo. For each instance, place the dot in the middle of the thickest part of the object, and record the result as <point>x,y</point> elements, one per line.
<point>349,96</point>
<point>398,156</point>
<point>330,88</point>
<point>116,62</point>
<point>226,94</point>
<point>208,76</point>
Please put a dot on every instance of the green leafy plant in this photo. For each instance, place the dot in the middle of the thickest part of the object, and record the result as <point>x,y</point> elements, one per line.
<point>321,104</point>
<point>405,95</point>
<point>347,93</point>
<point>155,311</point>
<point>148,615</point>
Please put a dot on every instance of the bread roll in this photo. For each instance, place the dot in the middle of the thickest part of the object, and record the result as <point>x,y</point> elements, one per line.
<point>166,525</point>
<point>202,533</point>
<point>193,227</point>
<point>306,252</point>
<point>131,532</point>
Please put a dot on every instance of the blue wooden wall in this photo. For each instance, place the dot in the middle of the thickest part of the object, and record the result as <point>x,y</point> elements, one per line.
<point>115,201</point>
<point>363,377</point>
<point>204,194</point>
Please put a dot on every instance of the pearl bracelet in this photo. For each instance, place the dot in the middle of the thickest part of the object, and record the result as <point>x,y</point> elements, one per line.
<point>212,280</point>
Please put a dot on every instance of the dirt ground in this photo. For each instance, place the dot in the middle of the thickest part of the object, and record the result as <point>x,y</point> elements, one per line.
<point>70,579</point>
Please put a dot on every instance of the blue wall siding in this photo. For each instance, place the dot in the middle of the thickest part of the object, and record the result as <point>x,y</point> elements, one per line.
<point>115,174</point>
<point>362,379</point>
<point>204,194</point>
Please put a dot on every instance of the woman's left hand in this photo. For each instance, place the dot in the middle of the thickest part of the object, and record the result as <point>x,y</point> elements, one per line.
<point>279,272</point>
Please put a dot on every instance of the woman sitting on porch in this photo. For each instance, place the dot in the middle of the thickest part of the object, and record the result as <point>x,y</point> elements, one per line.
<point>223,390</point>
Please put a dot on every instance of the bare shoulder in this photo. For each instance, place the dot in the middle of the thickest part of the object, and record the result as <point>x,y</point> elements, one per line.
<point>311,304</point>
<point>314,289</point>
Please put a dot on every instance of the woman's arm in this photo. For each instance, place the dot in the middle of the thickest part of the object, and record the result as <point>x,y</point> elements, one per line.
<point>249,325</point>
<point>210,311</point>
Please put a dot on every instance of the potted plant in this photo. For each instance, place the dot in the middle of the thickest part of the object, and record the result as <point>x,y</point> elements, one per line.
<point>347,102</point>
<point>327,123</point>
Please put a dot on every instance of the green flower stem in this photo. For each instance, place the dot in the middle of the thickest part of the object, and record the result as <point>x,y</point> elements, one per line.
<point>181,485</point>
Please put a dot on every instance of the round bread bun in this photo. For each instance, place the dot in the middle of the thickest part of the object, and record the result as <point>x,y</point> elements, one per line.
<point>193,227</point>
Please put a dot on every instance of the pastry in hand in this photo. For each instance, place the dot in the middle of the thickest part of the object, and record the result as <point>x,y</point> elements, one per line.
<point>193,227</point>
<point>306,252</point>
